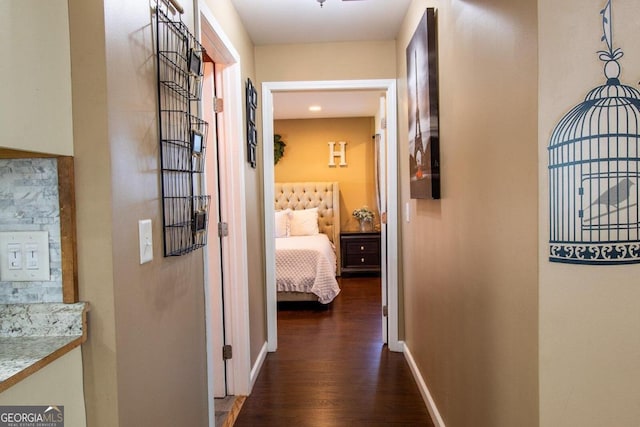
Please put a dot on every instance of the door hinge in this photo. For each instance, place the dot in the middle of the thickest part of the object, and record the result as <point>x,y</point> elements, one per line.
<point>223,229</point>
<point>385,311</point>
<point>218,105</point>
<point>227,352</point>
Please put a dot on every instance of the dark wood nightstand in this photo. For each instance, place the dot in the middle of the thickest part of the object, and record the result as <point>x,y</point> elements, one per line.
<point>360,252</point>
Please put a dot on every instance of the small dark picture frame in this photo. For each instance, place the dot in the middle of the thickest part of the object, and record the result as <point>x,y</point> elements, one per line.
<point>251,137</point>
<point>199,221</point>
<point>197,142</point>
<point>251,102</point>
<point>195,62</point>
<point>254,97</point>
<point>251,115</point>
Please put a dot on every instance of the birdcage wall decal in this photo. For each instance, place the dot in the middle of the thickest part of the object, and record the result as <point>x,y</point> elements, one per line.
<point>594,167</point>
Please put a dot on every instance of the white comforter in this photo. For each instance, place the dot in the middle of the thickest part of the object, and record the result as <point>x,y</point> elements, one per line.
<point>307,264</point>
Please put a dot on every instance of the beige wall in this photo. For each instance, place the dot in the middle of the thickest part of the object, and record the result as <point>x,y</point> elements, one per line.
<point>146,338</point>
<point>59,383</point>
<point>159,306</point>
<point>92,160</point>
<point>325,61</point>
<point>306,158</point>
<point>35,77</point>
<point>470,259</point>
<point>589,316</point>
<point>147,332</point>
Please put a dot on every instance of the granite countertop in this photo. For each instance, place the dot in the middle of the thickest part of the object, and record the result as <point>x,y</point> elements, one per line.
<point>33,335</point>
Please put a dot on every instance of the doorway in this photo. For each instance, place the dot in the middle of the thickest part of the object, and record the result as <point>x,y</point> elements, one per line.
<point>228,286</point>
<point>388,230</point>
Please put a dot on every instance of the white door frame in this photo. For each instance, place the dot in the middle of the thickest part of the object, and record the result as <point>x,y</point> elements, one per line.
<point>233,209</point>
<point>387,85</point>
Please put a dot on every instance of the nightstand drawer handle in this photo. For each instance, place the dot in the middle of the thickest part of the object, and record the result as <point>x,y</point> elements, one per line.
<point>362,260</point>
<point>362,248</point>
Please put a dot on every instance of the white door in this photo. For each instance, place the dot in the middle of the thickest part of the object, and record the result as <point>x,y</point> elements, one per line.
<point>227,300</point>
<point>213,252</point>
<point>381,190</point>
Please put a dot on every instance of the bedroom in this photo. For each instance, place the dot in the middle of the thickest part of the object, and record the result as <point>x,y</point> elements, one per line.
<point>307,157</point>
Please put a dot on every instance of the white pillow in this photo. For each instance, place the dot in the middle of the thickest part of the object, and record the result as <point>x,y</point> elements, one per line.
<point>282,223</point>
<point>304,222</point>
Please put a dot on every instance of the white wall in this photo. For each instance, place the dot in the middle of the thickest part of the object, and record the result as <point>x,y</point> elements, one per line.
<point>589,315</point>
<point>35,76</point>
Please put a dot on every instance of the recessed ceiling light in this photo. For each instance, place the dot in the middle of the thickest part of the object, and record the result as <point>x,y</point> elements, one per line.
<point>315,108</point>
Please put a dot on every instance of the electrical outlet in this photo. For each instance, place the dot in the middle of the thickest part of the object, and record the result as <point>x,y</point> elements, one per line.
<point>24,256</point>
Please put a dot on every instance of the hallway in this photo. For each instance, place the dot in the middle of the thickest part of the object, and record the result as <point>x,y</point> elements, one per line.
<point>331,369</point>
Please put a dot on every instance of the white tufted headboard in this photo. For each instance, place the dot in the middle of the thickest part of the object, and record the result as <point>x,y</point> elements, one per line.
<point>306,195</point>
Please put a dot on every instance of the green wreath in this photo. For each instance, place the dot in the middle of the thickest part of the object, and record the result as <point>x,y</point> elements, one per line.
<point>278,148</point>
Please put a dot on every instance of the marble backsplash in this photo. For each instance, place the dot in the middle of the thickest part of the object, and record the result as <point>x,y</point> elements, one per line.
<point>29,202</point>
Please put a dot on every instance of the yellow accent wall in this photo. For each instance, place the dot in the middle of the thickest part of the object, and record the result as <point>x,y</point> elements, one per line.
<point>306,158</point>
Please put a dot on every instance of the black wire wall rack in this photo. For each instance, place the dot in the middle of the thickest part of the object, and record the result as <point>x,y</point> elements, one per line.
<point>182,135</point>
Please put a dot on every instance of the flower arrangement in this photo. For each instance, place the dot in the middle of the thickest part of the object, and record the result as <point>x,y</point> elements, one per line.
<point>363,214</point>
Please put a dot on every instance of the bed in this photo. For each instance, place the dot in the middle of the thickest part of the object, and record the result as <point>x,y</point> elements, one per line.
<point>307,224</point>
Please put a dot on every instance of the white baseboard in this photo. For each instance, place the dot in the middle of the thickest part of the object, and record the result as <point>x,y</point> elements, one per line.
<point>255,370</point>
<point>424,390</point>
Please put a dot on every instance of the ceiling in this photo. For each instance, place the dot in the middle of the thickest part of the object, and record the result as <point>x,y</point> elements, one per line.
<point>304,21</point>
<point>295,105</point>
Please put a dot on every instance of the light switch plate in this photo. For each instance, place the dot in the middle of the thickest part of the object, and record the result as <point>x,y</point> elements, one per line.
<point>24,256</point>
<point>146,241</point>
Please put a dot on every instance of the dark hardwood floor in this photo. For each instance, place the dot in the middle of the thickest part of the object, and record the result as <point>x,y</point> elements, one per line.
<point>331,369</point>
